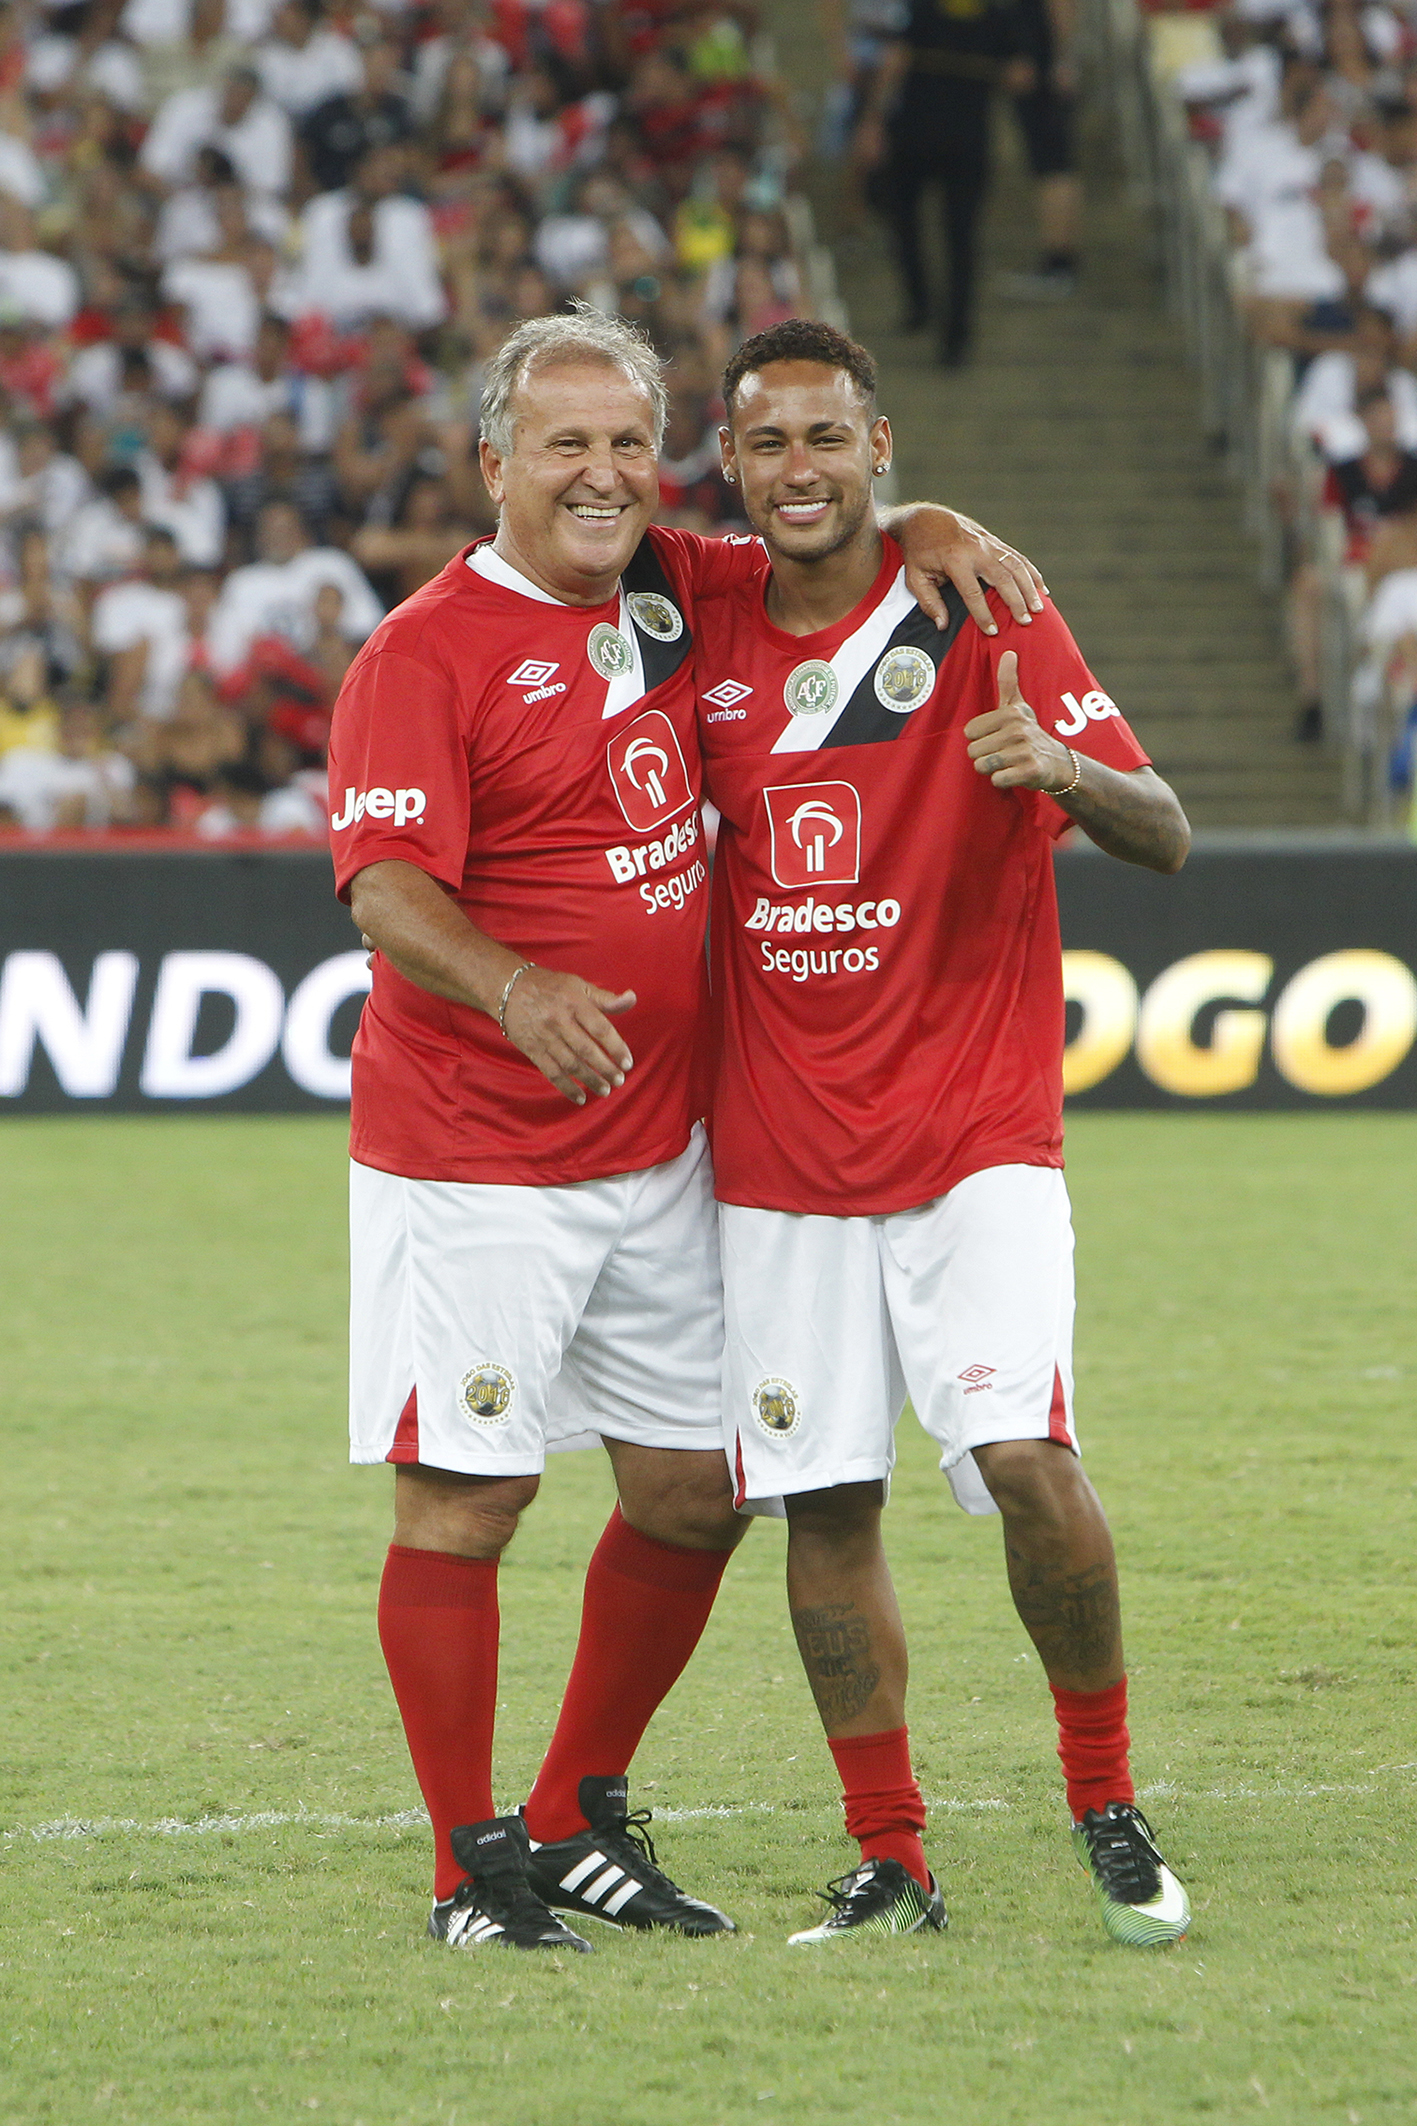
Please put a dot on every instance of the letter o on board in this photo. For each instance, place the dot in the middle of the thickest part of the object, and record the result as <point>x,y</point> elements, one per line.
<point>305,1042</point>
<point>1108,996</point>
<point>1166,1046</point>
<point>1387,991</point>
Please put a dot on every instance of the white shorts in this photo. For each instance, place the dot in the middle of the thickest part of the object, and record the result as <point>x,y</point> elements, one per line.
<point>964,1304</point>
<point>489,1324</point>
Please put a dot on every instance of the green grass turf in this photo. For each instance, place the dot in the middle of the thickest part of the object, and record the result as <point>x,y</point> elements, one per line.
<point>189,1574</point>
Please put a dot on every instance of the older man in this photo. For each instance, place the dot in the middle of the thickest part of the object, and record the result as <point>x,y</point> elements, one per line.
<point>515,786</point>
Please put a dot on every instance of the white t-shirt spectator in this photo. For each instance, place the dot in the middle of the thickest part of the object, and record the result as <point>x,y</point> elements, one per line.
<point>235,397</point>
<point>258,146</point>
<point>278,598</point>
<point>129,613</point>
<point>165,21</point>
<point>20,173</point>
<point>42,288</point>
<point>192,510</point>
<point>299,77</point>
<point>1288,253</point>
<point>400,280</point>
<point>187,225</point>
<point>96,373</point>
<point>222,309</point>
<point>570,247</point>
<point>1265,163</point>
<point>53,495</point>
<point>1329,395</point>
<point>99,543</point>
<point>113,71</point>
<point>1393,288</point>
<point>34,783</point>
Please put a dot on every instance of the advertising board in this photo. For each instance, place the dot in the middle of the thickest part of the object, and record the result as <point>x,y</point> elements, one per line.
<point>1275,974</point>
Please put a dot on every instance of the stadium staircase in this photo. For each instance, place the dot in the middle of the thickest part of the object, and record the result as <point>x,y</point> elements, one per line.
<point>1077,434</point>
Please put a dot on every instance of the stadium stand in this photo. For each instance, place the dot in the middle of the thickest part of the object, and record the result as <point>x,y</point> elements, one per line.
<point>1279,143</point>
<point>254,256</point>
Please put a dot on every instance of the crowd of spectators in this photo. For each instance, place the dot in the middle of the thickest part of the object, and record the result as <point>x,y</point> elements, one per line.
<point>254,257</point>
<point>1310,112</point>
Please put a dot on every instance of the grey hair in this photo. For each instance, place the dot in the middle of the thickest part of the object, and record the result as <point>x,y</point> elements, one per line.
<point>586,335</point>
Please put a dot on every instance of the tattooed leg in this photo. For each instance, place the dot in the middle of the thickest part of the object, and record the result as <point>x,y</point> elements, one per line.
<point>1062,1568</point>
<point>844,1610</point>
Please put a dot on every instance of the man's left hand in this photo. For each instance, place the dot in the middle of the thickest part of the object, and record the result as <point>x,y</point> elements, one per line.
<point>1010,746</point>
<point>940,547</point>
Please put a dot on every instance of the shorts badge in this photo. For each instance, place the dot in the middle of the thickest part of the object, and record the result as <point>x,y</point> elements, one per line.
<point>776,1407</point>
<point>811,689</point>
<point>904,676</point>
<point>656,615</point>
<point>487,1393</point>
<point>610,651</point>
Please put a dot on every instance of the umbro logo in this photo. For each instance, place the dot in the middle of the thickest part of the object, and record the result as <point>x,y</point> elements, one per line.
<point>977,1378</point>
<point>533,672</point>
<point>724,696</point>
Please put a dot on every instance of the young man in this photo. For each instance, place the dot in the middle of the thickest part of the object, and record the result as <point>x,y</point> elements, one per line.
<point>515,779</point>
<point>887,1103</point>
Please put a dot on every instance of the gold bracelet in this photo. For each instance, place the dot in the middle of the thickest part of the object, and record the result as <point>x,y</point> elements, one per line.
<point>513,979</point>
<point>1068,787</point>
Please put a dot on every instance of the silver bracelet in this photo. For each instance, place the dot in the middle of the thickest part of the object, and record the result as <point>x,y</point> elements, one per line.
<point>1068,787</point>
<point>513,979</point>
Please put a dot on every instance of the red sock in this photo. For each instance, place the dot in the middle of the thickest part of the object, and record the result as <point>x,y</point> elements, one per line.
<point>644,1611</point>
<point>438,1626</point>
<point>1093,1743</point>
<point>884,1808</point>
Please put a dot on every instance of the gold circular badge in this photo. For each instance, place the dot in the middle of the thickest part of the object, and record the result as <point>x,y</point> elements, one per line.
<point>776,1407</point>
<point>904,676</point>
<point>487,1393</point>
<point>610,651</point>
<point>811,688</point>
<point>656,615</point>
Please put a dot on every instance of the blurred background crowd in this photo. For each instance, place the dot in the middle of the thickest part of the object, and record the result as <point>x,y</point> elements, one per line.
<point>1308,115</point>
<point>254,256</point>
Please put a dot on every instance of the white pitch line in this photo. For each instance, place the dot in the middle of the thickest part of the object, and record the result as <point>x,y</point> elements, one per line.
<point>410,1819</point>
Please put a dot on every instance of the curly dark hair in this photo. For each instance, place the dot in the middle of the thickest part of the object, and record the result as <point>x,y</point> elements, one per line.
<point>802,339</point>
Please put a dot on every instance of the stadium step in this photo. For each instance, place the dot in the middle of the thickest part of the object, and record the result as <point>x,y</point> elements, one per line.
<point>1077,434</point>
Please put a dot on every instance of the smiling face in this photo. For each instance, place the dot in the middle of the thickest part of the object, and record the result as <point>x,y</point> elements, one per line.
<point>803,448</point>
<point>581,481</point>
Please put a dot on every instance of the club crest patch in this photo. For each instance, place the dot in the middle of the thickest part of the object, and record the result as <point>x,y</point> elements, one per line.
<point>656,615</point>
<point>609,651</point>
<point>486,1394</point>
<point>777,1407</point>
<point>904,676</point>
<point>811,689</point>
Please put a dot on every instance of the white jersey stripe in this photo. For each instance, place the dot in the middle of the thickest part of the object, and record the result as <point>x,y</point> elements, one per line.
<point>626,688</point>
<point>851,663</point>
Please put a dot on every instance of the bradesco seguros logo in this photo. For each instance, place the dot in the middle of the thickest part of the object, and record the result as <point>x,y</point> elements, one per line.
<point>816,833</point>
<point>647,771</point>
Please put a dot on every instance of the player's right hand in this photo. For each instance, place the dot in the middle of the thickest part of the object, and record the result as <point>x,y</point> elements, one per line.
<point>562,1025</point>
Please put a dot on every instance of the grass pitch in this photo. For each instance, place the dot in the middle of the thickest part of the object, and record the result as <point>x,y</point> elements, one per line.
<point>214,1868</point>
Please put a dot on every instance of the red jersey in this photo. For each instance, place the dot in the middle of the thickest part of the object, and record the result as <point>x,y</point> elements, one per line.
<point>541,761</point>
<point>886,962</point>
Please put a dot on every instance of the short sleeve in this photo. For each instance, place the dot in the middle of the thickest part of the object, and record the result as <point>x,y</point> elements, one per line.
<point>1065,697</point>
<point>711,566</point>
<point>399,784</point>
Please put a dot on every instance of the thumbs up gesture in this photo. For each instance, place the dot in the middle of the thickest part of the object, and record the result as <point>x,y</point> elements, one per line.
<point>1010,746</point>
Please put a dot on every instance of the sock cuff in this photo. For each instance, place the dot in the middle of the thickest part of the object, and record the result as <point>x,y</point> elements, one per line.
<point>669,1566</point>
<point>868,1762</point>
<point>1089,1708</point>
<point>436,1579</point>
